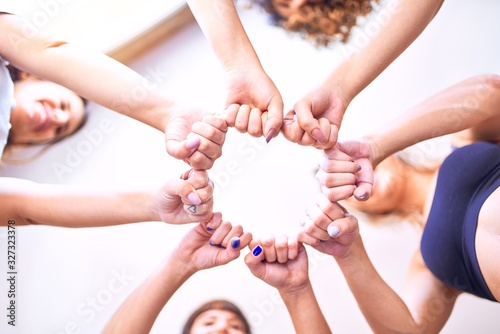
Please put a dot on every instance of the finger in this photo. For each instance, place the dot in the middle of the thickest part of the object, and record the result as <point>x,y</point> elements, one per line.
<point>209,132</point>
<point>305,238</point>
<point>201,212</point>
<point>235,231</point>
<point>329,134</point>
<point>220,233</point>
<point>272,125</point>
<point>269,249</point>
<point>331,210</point>
<point>217,121</point>
<point>291,128</point>
<point>307,121</point>
<point>317,224</point>
<point>344,227</point>
<point>182,149</point>
<point>293,248</point>
<point>198,178</point>
<point>255,123</point>
<point>231,113</point>
<point>364,181</point>
<point>241,123</point>
<point>254,259</point>
<point>335,179</point>
<point>214,222</point>
<point>338,193</point>
<point>281,248</point>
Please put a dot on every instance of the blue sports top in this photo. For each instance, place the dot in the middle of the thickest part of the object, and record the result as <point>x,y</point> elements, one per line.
<point>465,180</point>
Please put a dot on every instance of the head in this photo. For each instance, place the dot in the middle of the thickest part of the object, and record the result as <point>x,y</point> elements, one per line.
<point>321,21</point>
<point>217,316</point>
<point>389,188</point>
<point>45,112</point>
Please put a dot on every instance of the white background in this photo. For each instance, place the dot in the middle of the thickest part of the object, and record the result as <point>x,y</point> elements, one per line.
<point>62,270</point>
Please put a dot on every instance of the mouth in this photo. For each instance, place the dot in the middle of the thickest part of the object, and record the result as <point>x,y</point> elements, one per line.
<point>42,116</point>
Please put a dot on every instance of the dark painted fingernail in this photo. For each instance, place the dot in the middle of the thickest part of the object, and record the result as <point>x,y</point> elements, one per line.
<point>209,229</point>
<point>257,250</point>
<point>212,243</point>
<point>235,243</point>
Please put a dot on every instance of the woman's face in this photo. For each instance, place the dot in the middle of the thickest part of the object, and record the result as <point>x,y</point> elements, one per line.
<point>388,188</point>
<point>286,8</point>
<point>218,321</point>
<point>44,112</point>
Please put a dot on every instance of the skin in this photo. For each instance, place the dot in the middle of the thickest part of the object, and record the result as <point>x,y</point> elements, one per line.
<point>29,203</point>
<point>218,321</point>
<point>286,8</point>
<point>414,311</point>
<point>44,112</point>
<point>191,134</point>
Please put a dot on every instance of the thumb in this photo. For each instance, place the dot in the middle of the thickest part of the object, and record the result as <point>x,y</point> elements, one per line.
<point>254,259</point>
<point>274,119</point>
<point>182,149</point>
<point>307,121</point>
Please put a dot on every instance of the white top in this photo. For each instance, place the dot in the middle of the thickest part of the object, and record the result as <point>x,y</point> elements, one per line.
<point>7,102</point>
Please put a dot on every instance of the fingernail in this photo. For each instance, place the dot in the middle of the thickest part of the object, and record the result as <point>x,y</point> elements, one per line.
<point>333,230</point>
<point>318,135</point>
<point>347,214</point>
<point>362,196</point>
<point>270,135</point>
<point>212,243</point>
<point>257,250</point>
<point>209,229</point>
<point>192,143</point>
<point>235,243</point>
<point>194,198</point>
<point>358,168</point>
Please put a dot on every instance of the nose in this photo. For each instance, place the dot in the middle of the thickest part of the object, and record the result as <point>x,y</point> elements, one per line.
<point>60,117</point>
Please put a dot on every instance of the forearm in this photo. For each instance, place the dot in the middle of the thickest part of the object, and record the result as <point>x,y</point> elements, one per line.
<point>139,311</point>
<point>384,310</point>
<point>90,74</point>
<point>72,206</point>
<point>221,25</point>
<point>399,24</point>
<point>305,312</point>
<point>471,104</point>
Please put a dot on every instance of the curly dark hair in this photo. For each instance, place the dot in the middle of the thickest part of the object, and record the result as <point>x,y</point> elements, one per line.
<point>322,23</point>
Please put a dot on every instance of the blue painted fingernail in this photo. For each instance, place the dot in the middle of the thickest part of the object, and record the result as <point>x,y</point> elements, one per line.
<point>209,229</point>
<point>235,243</point>
<point>257,250</point>
<point>212,243</point>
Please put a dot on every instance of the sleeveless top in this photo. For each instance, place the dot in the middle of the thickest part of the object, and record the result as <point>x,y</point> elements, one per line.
<point>466,179</point>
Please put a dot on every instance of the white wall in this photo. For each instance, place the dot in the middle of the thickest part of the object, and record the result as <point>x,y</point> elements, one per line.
<point>62,272</point>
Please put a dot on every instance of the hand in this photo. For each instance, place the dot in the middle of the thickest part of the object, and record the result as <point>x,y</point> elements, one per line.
<point>187,199</point>
<point>315,120</point>
<point>361,153</point>
<point>211,244</point>
<point>330,229</point>
<point>254,103</point>
<point>280,262</point>
<point>195,137</point>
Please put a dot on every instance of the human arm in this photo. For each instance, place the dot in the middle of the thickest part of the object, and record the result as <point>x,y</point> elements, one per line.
<point>399,24</point>
<point>282,263</point>
<point>383,308</point>
<point>468,110</point>
<point>139,311</point>
<point>111,84</point>
<point>248,83</point>
<point>178,201</point>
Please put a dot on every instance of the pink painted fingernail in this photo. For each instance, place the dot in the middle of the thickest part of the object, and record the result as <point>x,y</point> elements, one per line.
<point>270,135</point>
<point>333,231</point>
<point>318,135</point>
<point>193,198</point>
<point>192,143</point>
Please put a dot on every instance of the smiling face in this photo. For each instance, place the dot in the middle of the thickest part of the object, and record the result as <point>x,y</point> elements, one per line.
<point>44,112</point>
<point>218,321</point>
